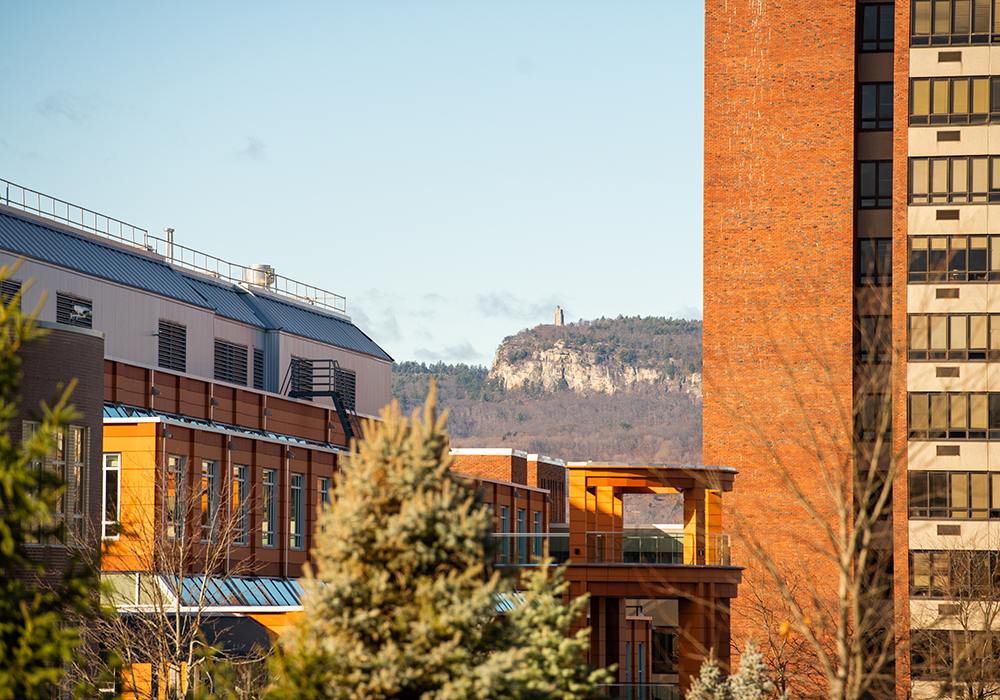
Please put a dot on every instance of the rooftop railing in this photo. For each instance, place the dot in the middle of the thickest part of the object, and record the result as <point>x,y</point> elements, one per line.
<point>254,277</point>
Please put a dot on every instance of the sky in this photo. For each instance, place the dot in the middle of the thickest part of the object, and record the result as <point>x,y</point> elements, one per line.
<point>454,169</point>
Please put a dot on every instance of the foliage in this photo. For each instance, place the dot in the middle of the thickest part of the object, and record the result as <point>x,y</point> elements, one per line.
<point>402,602</point>
<point>750,682</point>
<point>35,642</point>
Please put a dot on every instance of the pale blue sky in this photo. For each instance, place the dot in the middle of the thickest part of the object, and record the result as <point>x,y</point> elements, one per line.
<point>455,169</point>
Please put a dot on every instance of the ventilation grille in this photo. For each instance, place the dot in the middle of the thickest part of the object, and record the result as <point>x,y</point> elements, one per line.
<point>258,369</point>
<point>74,311</point>
<point>301,374</point>
<point>8,290</point>
<point>173,346</point>
<point>346,382</point>
<point>230,362</point>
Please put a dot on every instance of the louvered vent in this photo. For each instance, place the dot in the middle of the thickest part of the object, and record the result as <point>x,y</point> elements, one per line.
<point>9,289</point>
<point>173,346</point>
<point>74,311</point>
<point>301,371</point>
<point>230,362</point>
<point>258,369</point>
<point>346,381</point>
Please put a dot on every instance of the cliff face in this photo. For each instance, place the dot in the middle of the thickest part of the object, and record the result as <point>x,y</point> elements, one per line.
<point>585,371</point>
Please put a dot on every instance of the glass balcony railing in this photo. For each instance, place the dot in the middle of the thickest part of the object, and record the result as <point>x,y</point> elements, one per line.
<point>642,691</point>
<point>525,549</point>
<point>632,547</point>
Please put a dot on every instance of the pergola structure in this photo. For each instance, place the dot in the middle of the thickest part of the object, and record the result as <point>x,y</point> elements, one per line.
<point>612,566</point>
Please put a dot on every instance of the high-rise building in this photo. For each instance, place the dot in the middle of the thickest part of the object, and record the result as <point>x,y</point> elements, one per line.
<point>850,190</point>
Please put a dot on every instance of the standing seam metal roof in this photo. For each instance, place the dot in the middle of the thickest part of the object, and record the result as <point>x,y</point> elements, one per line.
<point>90,257</point>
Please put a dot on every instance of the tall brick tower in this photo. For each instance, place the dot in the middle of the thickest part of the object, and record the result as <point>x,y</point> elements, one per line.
<point>806,241</point>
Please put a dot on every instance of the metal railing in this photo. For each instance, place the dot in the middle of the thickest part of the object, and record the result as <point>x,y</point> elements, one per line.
<point>653,547</point>
<point>43,205</point>
<point>525,549</point>
<point>56,209</point>
<point>642,691</point>
<point>252,277</point>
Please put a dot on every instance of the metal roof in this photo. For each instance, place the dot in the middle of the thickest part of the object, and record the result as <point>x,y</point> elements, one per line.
<point>41,242</point>
<point>228,301</point>
<point>295,319</point>
<point>35,240</point>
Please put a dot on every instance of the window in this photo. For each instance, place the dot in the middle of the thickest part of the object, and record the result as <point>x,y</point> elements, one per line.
<point>74,311</point>
<point>876,106</point>
<point>522,544</point>
<point>954,258</point>
<point>172,346</point>
<point>954,416</point>
<point>296,514</point>
<point>640,657</point>
<point>876,27</point>
<point>958,180</point>
<point>112,501</point>
<point>875,184</point>
<point>241,504</point>
<point>258,369</point>
<point>28,429</point>
<point>176,496</point>
<point>956,22</point>
<point>209,500</point>
<point>269,520</point>
<point>9,290</point>
<point>536,523</point>
<point>954,337</point>
<point>628,662</point>
<point>77,485</point>
<point>953,100</point>
<point>57,465</point>
<point>504,529</point>
<point>954,574</point>
<point>874,414</point>
<point>958,495</point>
<point>346,386</point>
<point>323,492</point>
<point>873,341</point>
<point>230,362</point>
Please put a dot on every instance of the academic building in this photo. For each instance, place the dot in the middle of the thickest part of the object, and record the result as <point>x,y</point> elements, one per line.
<point>218,401</point>
<point>851,208</point>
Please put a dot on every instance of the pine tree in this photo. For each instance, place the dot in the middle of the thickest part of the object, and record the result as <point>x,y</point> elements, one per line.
<point>35,641</point>
<point>750,682</point>
<point>402,604</point>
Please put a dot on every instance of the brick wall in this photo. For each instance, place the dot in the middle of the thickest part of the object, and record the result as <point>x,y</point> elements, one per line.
<point>778,237</point>
<point>502,465</point>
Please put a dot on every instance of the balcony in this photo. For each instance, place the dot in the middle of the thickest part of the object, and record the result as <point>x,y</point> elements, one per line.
<point>652,548</point>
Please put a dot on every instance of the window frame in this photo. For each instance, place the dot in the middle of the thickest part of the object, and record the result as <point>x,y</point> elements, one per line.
<point>209,500</point>
<point>953,165</point>
<point>296,511</point>
<point>882,109</point>
<point>269,509</point>
<point>883,38</point>
<point>924,266</point>
<point>874,184</point>
<point>240,493</point>
<point>176,484</point>
<point>934,36</point>
<point>116,523</point>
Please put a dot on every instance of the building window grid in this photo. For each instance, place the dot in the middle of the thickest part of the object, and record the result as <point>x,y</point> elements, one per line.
<point>954,495</point>
<point>954,101</point>
<point>77,486</point>
<point>954,416</point>
<point>876,28</point>
<point>111,497</point>
<point>176,496</point>
<point>954,180</point>
<point>934,259</point>
<point>296,513</point>
<point>56,463</point>
<point>875,106</point>
<point>954,573</point>
<point>269,517</point>
<point>241,504</point>
<point>953,337</point>
<point>875,184</point>
<point>953,22</point>
<point>522,542</point>
<point>504,529</point>
<point>875,262</point>
<point>209,500</point>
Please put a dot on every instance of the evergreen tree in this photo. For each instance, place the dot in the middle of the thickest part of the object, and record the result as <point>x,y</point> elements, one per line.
<point>35,641</point>
<point>402,604</point>
<point>750,682</point>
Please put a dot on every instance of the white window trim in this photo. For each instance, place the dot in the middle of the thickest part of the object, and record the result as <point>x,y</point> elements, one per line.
<point>104,496</point>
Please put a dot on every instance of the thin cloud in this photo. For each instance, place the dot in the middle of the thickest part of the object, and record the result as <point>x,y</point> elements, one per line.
<point>20,153</point>
<point>254,148</point>
<point>382,328</point>
<point>452,353</point>
<point>62,104</point>
<point>506,305</point>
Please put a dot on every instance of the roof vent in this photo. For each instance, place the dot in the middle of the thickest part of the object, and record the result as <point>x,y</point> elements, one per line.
<point>259,275</point>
